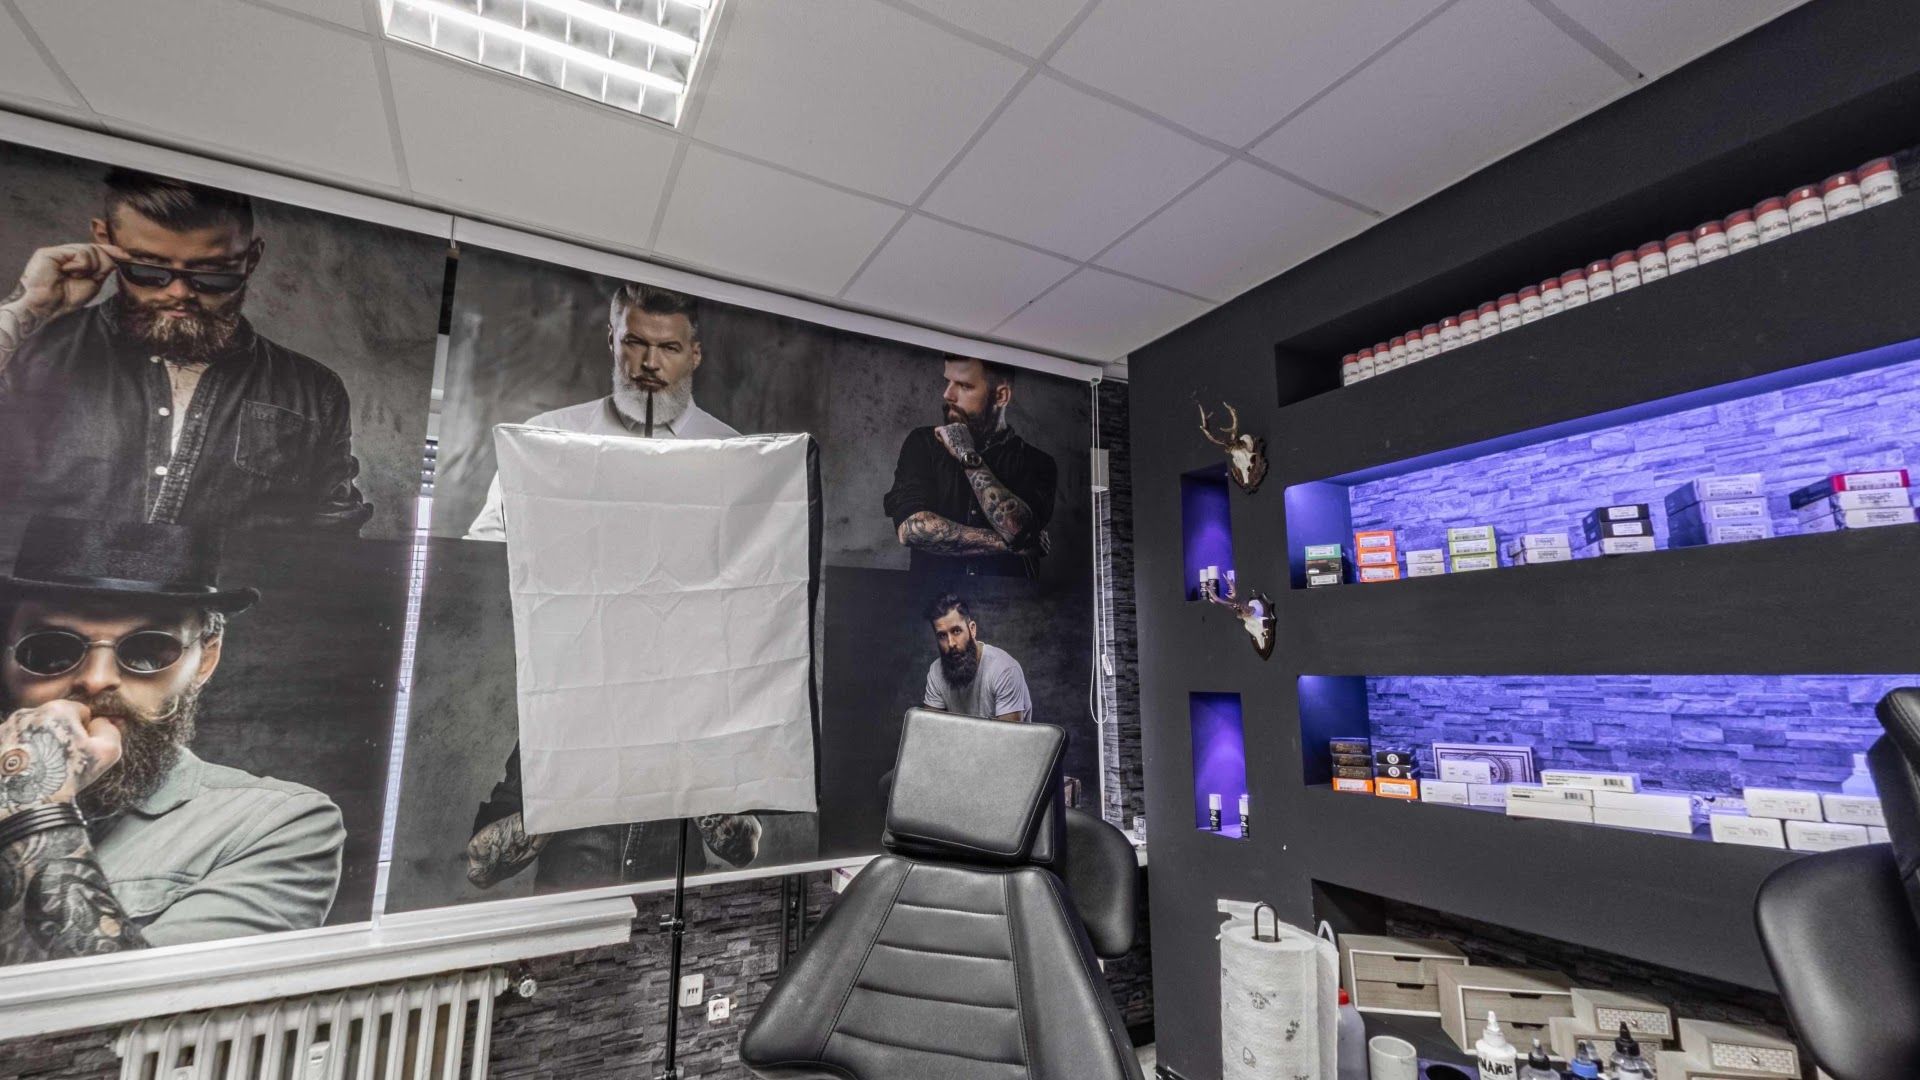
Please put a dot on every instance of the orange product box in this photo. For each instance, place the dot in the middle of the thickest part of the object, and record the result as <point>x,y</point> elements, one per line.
<point>1379,573</point>
<point>1374,540</point>
<point>1396,789</point>
<point>1356,787</point>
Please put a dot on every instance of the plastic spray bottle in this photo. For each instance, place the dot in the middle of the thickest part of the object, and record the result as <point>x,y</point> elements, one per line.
<point>1498,1058</point>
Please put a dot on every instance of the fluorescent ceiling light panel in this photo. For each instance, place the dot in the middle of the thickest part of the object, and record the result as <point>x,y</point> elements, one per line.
<point>637,55</point>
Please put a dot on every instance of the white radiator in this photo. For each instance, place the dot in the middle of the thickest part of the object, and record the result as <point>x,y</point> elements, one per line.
<point>425,1029</point>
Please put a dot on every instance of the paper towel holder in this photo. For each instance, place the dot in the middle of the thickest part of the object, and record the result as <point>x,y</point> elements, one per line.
<point>1256,922</point>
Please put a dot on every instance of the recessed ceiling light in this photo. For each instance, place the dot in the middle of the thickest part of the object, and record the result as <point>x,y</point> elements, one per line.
<point>637,55</point>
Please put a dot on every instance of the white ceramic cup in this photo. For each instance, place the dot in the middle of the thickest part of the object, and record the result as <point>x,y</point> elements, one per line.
<point>1392,1059</point>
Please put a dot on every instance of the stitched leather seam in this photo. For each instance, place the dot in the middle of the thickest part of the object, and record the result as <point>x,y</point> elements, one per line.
<point>943,952</point>
<point>1013,943</point>
<point>924,1050</point>
<point>864,958</point>
<point>929,997</point>
<point>1122,1051</point>
<point>949,910</point>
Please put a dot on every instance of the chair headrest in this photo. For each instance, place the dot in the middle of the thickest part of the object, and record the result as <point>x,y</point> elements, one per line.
<point>972,790</point>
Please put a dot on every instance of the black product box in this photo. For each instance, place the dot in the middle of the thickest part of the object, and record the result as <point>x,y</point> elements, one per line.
<point>1321,572</point>
<point>1393,757</point>
<point>1622,512</point>
<point>1350,772</point>
<point>1350,744</point>
<point>1353,761</point>
<point>1606,529</point>
<point>1397,772</point>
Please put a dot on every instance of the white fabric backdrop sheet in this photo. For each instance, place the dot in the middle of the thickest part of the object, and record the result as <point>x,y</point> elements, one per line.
<point>661,624</point>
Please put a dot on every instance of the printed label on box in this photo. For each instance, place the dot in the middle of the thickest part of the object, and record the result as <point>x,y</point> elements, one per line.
<point>1357,787</point>
<point>1325,551</point>
<point>1373,541</point>
<point>1471,547</point>
<point>1493,796</point>
<point>1470,532</point>
<point>1622,545</point>
<point>1466,772</point>
<point>1622,513</point>
<point>1752,832</point>
<point>1396,789</point>
<point>1463,563</point>
<point>1376,558</point>
<point>1853,809</point>
<point>1570,796</point>
<point>1427,570</point>
<point>1601,781</point>
<point>1379,573</point>
<point>1823,836</point>
<point>1442,791</point>
<point>1425,556</point>
<point>1783,803</point>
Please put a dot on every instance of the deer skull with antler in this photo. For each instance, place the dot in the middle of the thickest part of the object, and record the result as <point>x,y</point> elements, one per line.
<point>1246,454</point>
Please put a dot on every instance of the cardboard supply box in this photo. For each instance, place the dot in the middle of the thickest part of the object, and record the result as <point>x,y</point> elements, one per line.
<point>1853,481</point>
<point>1370,574</point>
<point>1525,1000</point>
<point>1374,540</point>
<point>1720,511</point>
<point>1487,796</point>
<point>1740,1049</point>
<point>1458,548</point>
<point>1465,563</point>
<point>1427,570</point>
<point>1859,519</point>
<point>1449,792</point>
<point>1853,809</point>
<point>1389,788</point>
<point>1750,831</point>
<point>1398,976</point>
<point>1353,787</point>
<point>1824,836</point>
<point>1783,803</point>
<point>1728,532</point>
<point>1594,529</point>
<point>1620,545</point>
<point>1708,488</point>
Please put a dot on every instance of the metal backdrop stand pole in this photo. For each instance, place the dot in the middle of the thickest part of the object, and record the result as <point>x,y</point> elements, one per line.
<point>676,925</point>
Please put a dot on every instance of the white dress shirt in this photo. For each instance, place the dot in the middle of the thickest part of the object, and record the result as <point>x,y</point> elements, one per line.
<point>596,417</point>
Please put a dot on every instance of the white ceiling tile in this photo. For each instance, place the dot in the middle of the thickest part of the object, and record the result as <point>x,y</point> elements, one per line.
<point>1027,25</point>
<point>225,74</point>
<point>1068,172</point>
<point>851,91</point>
<point>952,277</point>
<point>1100,316</point>
<point>482,141</point>
<point>1480,81</point>
<point>769,226</point>
<point>349,13</point>
<point>1657,36</point>
<point>1229,69</point>
<point>1236,230</point>
<point>23,74</point>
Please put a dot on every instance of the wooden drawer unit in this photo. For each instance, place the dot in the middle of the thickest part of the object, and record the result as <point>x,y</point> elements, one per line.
<point>1525,1000</point>
<point>1740,1050</point>
<point>1395,975</point>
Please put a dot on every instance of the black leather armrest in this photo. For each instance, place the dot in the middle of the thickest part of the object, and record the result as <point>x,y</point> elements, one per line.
<point>1103,877</point>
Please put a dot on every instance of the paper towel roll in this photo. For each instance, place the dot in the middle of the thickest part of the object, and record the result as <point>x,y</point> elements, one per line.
<point>1277,1006</point>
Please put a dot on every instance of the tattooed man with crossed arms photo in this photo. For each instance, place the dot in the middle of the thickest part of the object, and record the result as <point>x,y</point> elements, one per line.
<point>114,835</point>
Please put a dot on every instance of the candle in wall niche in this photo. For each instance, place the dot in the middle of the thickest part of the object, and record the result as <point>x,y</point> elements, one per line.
<point>1626,271</point>
<point>1573,288</point>
<point>1552,300</point>
<point>1399,348</point>
<point>1213,812</point>
<point>1449,333</point>
<point>1681,253</point>
<point>1349,369</point>
<point>1599,279</point>
<point>1841,194</point>
<point>1531,306</point>
<point>1709,242</point>
<point>1879,182</point>
<point>1806,209</point>
<point>1366,364</point>
<point>1743,232</point>
<point>1429,340</point>
<point>1651,257</point>
<point>1469,326</point>
<point>1772,218</point>
<point>1509,310</point>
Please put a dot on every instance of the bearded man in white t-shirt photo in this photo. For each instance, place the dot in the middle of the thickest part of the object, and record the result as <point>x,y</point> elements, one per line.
<point>971,677</point>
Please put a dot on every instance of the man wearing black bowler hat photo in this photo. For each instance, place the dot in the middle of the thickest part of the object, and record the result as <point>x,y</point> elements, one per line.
<point>114,834</point>
<point>162,402</point>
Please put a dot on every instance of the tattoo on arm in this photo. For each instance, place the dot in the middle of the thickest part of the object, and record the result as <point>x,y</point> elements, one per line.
<point>501,850</point>
<point>1009,513</point>
<point>17,324</point>
<point>51,878</point>
<point>930,532</point>
<point>34,771</point>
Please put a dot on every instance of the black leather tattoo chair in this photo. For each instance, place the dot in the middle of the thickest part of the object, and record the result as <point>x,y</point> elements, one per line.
<point>962,953</point>
<point>1841,929</point>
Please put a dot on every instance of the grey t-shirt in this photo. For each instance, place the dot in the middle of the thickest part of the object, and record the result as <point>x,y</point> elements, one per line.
<point>998,687</point>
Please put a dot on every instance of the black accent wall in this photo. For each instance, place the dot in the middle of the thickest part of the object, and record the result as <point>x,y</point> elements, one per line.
<point>1822,88</point>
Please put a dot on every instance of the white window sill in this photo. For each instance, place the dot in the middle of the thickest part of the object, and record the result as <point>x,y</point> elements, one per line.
<point>63,995</point>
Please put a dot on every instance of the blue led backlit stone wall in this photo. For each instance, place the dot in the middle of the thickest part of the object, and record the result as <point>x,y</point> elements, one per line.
<point>1865,420</point>
<point>1708,733</point>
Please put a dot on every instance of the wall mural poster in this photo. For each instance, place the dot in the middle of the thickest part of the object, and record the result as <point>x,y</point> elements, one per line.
<point>896,426</point>
<point>212,409</point>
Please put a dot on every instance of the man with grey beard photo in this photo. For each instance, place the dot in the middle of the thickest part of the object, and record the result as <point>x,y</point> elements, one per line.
<point>654,336</point>
<point>161,402</point>
<point>114,833</point>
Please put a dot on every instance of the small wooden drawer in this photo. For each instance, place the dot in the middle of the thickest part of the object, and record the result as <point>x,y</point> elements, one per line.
<point>1516,1007</point>
<point>1525,999</point>
<point>1387,967</point>
<point>1747,1051</point>
<point>1383,973</point>
<point>1396,997</point>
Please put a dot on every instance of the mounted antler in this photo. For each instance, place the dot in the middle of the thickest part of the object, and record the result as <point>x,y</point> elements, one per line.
<point>1246,454</point>
<point>1255,611</point>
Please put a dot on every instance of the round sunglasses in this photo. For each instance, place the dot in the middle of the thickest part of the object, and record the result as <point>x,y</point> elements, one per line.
<point>47,653</point>
<point>210,282</point>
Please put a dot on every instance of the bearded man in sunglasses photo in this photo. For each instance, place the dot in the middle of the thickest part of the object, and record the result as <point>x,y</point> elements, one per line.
<point>162,402</point>
<point>114,835</point>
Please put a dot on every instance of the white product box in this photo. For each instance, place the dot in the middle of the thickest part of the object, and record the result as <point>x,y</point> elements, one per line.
<point>1375,558</point>
<point>1525,808</point>
<point>1541,556</point>
<point>1470,532</point>
<point>1466,772</point>
<point>1539,541</point>
<point>1632,528</point>
<point>1330,578</point>
<point>1731,510</point>
<point>1878,499</point>
<point>1426,557</point>
<point>1539,793</point>
<point>1621,545</point>
<point>1858,519</point>
<point>1598,781</point>
<point>1472,547</point>
<point>1464,563</point>
<point>1679,824</point>
<point>1725,532</point>
<point>1379,573</point>
<point>1853,809</point>
<point>1877,834</point>
<point>1784,804</point>
<point>1704,488</point>
<point>1823,836</point>
<point>1750,831</point>
<point>1643,803</point>
<point>1427,570</point>
<point>1489,796</point>
<point>1444,791</point>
